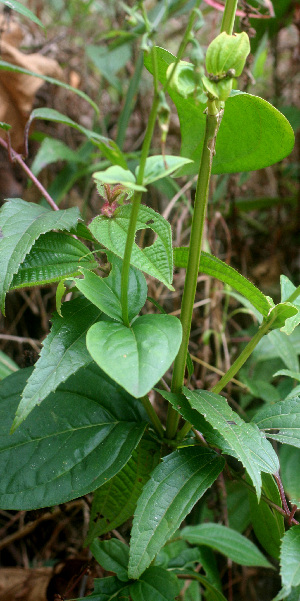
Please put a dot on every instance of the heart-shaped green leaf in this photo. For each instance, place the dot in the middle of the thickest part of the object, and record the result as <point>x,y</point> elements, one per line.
<point>253,134</point>
<point>136,357</point>
<point>105,293</point>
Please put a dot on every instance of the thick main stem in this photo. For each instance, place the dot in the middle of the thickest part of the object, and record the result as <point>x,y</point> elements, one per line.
<point>229,16</point>
<point>213,119</point>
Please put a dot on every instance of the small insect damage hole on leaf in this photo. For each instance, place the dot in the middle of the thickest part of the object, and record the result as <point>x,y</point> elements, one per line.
<point>145,237</point>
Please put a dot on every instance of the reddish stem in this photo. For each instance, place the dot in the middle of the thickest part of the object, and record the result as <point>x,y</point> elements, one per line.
<point>14,156</point>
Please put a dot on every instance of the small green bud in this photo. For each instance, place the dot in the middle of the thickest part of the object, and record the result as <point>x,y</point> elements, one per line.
<point>218,90</point>
<point>185,81</point>
<point>227,52</point>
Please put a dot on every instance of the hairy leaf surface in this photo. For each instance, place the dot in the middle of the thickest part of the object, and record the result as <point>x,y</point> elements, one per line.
<point>63,353</point>
<point>21,224</point>
<point>54,256</point>
<point>216,268</point>
<point>289,562</point>
<point>281,421</point>
<point>157,259</point>
<point>248,444</point>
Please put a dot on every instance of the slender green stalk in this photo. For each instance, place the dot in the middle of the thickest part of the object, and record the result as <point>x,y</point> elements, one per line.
<point>213,119</point>
<point>136,202</point>
<point>293,296</point>
<point>239,362</point>
<point>229,16</point>
<point>152,415</point>
<point>130,100</point>
<point>183,44</point>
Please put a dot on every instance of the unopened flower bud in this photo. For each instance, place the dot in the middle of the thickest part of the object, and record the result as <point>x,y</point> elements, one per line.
<point>227,52</point>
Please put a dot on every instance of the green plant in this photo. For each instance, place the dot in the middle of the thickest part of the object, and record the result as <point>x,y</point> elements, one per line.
<point>90,425</point>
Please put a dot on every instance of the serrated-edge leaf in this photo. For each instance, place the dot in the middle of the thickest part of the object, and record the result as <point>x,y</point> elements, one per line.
<point>116,501</point>
<point>22,223</point>
<point>173,489</point>
<point>211,265</point>
<point>289,562</point>
<point>64,352</point>
<point>79,438</point>
<point>248,444</point>
<point>53,256</point>
<point>283,418</point>
<point>226,541</point>
<point>155,260</point>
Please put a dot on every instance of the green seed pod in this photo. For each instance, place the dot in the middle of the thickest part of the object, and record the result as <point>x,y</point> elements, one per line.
<point>227,52</point>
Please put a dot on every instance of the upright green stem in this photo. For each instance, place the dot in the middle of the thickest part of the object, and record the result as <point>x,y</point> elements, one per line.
<point>229,16</point>
<point>136,203</point>
<point>213,119</point>
<point>239,362</point>
<point>183,44</point>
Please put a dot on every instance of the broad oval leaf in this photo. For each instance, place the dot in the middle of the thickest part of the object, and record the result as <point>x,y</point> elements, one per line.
<point>155,260</point>
<point>64,352</point>
<point>54,256</point>
<point>216,268</point>
<point>112,555</point>
<point>21,224</point>
<point>136,357</point>
<point>79,438</point>
<point>253,134</point>
<point>105,293</point>
<point>281,421</point>
<point>115,502</point>
<point>226,541</point>
<point>279,314</point>
<point>108,589</point>
<point>159,166</point>
<point>247,443</point>
<point>118,175</point>
<point>170,494</point>
<point>52,150</point>
<point>155,584</point>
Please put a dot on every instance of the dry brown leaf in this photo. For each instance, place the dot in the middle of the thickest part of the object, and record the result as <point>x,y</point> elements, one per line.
<point>17,90</point>
<point>21,584</point>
